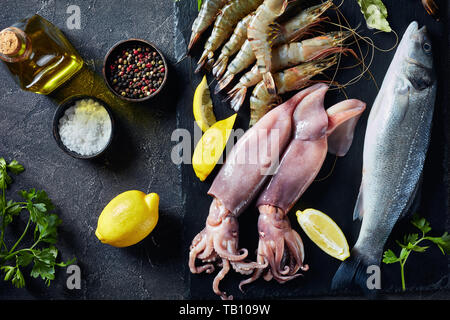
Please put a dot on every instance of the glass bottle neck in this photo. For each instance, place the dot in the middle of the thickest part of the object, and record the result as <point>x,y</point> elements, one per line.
<point>15,46</point>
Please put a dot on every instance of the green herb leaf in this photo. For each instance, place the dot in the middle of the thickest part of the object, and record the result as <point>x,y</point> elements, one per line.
<point>13,209</point>
<point>37,216</point>
<point>390,257</point>
<point>49,229</point>
<point>18,280</point>
<point>376,14</point>
<point>199,4</point>
<point>24,258</point>
<point>42,198</point>
<point>15,167</point>
<point>421,223</point>
<point>417,248</point>
<point>403,253</point>
<point>442,242</point>
<point>9,272</point>
<point>67,263</point>
<point>410,238</point>
<point>411,243</point>
<point>5,179</point>
<point>28,195</point>
<point>39,206</point>
<point>44,264</point>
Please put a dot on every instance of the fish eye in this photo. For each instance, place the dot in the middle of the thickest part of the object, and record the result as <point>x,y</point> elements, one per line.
<point>426,47</point>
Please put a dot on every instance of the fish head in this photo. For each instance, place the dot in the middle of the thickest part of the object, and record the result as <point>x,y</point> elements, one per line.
<point>418,56</point>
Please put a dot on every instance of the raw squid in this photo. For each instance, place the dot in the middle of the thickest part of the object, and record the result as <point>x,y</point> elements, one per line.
<point>255,156</point>
<point>280,247</point>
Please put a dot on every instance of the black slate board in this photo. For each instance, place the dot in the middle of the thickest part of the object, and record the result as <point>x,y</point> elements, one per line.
<point>335,195</point>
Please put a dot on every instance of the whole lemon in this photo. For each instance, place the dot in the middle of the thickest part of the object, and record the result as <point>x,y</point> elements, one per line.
<point>128,218</point>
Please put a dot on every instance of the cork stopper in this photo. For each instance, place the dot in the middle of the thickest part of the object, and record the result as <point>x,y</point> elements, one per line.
<point>10,42</point>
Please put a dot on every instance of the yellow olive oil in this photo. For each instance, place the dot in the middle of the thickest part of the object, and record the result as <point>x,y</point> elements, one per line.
<point>38,55</point>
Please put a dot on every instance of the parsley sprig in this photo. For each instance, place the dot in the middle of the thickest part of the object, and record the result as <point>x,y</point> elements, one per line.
<point>411,244</point>
<point>42,253</point>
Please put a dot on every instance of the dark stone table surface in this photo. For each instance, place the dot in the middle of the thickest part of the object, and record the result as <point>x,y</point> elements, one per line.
<point>140,157</point>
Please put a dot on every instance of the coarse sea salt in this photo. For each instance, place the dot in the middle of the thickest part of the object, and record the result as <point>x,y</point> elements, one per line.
<point>85,128</point>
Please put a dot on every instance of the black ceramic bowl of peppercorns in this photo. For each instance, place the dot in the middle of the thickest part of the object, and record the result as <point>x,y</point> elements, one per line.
<point>135,70</point>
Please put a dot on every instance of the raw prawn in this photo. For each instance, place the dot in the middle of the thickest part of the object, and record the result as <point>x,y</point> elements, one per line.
<point>288,80</point>
<point>232,46</point>
<point>208,12</point>
<point>431,7</point>
<point>254,156</point>
<point>258,35</point>
<point>289,55</point>
<point>291,30</point>
<point>280,247</point>
<point>228,18</point>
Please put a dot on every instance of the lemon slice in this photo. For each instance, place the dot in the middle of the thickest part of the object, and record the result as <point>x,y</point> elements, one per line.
<point>324,232</point>
<point>203,107</point>
<point>210,147</point>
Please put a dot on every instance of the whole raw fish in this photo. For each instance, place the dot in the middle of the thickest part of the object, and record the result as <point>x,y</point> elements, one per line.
<point>395,147</point>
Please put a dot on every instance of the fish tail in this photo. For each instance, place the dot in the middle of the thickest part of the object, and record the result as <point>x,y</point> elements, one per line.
<point>352,275</point>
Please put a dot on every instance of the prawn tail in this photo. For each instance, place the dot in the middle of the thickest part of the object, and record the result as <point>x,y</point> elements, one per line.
<point>220,66</point>
<point>223,82</point>
<point>194,39</point>
<point>237,97</point>
<point>269,82</point>
<point>204,62</point>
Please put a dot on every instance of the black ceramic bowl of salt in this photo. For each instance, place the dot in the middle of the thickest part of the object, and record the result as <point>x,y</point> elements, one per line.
<point>60,112</point>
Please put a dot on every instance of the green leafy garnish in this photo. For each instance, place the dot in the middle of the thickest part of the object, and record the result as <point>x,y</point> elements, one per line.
<point>42,254</point>
<point>376,14</point>
<point>411,243</point>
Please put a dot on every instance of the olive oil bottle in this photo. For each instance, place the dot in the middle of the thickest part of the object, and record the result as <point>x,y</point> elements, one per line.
<point>38,55</point>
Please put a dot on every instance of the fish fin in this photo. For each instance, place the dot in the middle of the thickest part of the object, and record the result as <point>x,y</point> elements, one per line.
<point>342,120</point>
<point>352,275</point>
<point>358,213</point>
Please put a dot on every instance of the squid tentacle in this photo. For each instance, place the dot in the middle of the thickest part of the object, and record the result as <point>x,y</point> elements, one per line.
<point>219,277</point>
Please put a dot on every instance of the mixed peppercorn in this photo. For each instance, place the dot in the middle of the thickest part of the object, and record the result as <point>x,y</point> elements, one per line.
<point>137,72</point>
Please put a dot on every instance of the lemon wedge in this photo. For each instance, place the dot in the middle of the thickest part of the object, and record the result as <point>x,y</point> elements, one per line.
<point>210,147</point>
<point>203,107</point>
<point>324,232</point>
